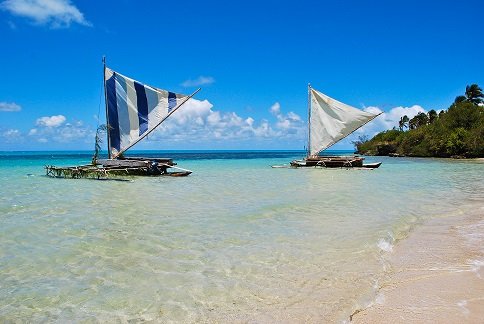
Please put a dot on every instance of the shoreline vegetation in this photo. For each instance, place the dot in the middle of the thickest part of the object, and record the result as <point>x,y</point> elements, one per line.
<point>457,132</point>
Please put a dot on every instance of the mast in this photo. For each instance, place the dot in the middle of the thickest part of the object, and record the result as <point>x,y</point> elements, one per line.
<point>159,123</point>
<point>309,121</point>
<point>106,104</point>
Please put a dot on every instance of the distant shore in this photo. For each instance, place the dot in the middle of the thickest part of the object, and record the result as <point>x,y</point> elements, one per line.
<point>480,159</point>
<point>436,276</point>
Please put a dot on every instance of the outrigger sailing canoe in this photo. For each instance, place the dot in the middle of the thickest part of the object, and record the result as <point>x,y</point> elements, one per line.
<point>133,110</point>
<point>329,122</point>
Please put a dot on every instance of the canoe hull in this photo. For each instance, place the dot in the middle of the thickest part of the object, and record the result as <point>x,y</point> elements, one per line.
<point>334,162</point>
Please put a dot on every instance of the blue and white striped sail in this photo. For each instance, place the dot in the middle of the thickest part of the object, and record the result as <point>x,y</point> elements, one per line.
<point>133,109</point>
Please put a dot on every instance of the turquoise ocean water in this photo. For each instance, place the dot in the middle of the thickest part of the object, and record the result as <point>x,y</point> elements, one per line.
<point>236,241</point>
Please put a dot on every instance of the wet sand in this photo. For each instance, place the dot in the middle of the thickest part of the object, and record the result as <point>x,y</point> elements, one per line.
<point>436,275</point>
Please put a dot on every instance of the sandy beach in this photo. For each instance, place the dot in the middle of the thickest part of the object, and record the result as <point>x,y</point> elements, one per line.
<point>436,275</point>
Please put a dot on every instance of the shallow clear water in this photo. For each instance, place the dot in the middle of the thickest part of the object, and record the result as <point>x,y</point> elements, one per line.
<point>236,240</point>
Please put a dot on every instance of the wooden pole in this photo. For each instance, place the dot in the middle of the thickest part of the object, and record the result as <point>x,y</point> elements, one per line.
<point>106,104</point>
<point>161,121</point>
<point>174,167</point>
<point>309,121</point>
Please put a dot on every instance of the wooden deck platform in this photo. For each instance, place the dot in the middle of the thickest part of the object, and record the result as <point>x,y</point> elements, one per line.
<point>133,166</point>
<point>330,162</point>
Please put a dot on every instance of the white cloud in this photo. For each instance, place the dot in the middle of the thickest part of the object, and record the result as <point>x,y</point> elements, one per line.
<point>53,121</point>
<point>9,106</point>
<point>56,13</point>
<point>193,125</point>
<point>11,136</point>
<point>11,133</point>
<point>291,122</point>
<point>198,123</point>
<point>73,132</point>
<point>293,116</point>
<point>201,80</point>
<point>275,109</point>
<point>387,120</point>
<point>59,132</point>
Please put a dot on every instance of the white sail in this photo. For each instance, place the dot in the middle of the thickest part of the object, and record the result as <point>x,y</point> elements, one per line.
<point>331,121</point>
<point>134,109</point>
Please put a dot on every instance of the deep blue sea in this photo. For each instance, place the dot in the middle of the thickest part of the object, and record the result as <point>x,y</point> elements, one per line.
<point>236,241</point>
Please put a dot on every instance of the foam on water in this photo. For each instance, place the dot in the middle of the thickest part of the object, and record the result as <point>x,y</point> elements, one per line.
<point>236,240</point>
<point>386,244</point>
<point>476,266</point>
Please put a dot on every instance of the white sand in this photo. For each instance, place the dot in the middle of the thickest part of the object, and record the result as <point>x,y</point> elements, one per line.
<point>437,275</point>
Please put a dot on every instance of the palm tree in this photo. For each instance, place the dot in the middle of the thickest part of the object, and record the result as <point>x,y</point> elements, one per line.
<point>403,122</point>
<point>432,114</point>
<point>421,119</point>
<point>460,99</point>
<point>412,124</point>
<point>474,94</point>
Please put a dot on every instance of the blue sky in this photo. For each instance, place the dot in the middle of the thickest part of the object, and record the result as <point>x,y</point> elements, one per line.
<point>253,60</point>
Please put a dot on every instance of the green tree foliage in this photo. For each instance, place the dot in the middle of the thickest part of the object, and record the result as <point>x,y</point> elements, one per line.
<point>458,131</point>
<point>474,94</point>
<point>432,116</point>
<point>456,142</point>
<point>421,119</point>
<point>459,99</point>
<point>386,143</point>
<point>403,123</point>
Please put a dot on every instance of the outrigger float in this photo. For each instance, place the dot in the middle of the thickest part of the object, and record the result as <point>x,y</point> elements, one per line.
<point>329,122</point>
<point>133,110</point>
